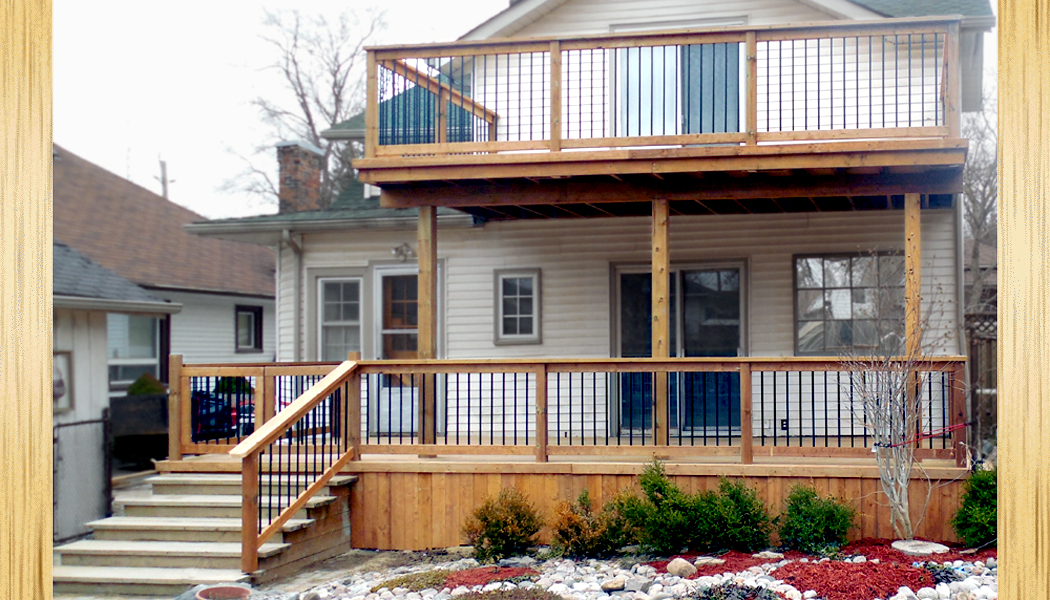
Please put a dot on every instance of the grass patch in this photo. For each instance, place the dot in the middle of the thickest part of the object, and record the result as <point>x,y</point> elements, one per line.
<point>417,582</point>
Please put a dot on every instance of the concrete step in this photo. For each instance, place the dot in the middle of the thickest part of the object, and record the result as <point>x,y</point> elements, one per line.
<point>222,484</point>
<point>142,581</point>
<point>179,529</point>
<point>218,506</point>
<point>196,555</point>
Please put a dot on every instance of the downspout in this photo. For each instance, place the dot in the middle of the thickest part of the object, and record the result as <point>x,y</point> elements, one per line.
<point>297,298</point>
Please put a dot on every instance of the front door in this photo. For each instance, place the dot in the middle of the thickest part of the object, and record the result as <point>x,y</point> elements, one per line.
<point>705,321</point>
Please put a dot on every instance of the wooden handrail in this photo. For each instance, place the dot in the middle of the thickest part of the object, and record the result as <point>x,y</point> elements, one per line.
<point>275,427</point>
<point>443,90</point>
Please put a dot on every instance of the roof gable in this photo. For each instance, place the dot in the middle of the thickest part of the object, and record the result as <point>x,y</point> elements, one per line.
<point>139,235</point>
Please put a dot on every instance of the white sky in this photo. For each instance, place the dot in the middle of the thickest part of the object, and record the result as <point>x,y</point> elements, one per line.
<point>135,81</point>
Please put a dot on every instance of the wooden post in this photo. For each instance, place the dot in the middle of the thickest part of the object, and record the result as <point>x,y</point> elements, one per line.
<point>175,398</point>
<point>353,414</point>
<point>953,75</point>
<point>250,513</point>
<point>441,131</point>
<point>912,276</point>
<point>661,315</point>
<point>541,413</point>
<point>555,96</point>
<point>184,417</point>
<point>957,406</point>
<point>746,436</point>
<point>371,106</point>
<point>751,82</point>
<point>265,398</point>
<point>427,313</point>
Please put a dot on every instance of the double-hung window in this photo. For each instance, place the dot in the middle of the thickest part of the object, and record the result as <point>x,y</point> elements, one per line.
<point>133,349</point>
<point>518,307</point>
<point>340,322</point>
<point>849,303</point>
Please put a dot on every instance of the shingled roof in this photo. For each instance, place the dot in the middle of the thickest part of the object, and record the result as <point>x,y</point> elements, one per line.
<point>77,275</point>
<point>139,235</point>
<point>923,8</point>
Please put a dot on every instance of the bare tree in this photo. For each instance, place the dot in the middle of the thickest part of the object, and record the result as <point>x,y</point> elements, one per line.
<point>321,65</point>
<point>981,192</point>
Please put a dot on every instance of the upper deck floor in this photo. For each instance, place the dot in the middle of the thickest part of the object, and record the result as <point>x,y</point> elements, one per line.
<point>853,108</point>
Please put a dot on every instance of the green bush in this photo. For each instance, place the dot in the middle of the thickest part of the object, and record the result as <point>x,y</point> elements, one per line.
<point>233,385</point>
<point>502,527</point>
<point>813,524</point>
<point>735,591</point>
<point>146,385</point>
<point>580,532</point>
<point>975,521</point>
<point>743,522</point>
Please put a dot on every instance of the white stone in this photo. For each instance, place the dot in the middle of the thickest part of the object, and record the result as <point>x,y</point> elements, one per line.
<point>926,592</point>
<point>557,588</point>
<point>459,591</point>
<point>708,560</point>
<point>769,555</point>
<point>809,594</point>
<point>943,591</point>
<point>919,547</point>
<point>681,568</point>
<point>860,559</point>
<point>614,585</point>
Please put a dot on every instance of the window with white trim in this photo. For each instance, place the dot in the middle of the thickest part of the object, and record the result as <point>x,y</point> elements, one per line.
<point>133,349</point>
<point>339,324</point>
<point>849,303</point>
<point>518,307</point>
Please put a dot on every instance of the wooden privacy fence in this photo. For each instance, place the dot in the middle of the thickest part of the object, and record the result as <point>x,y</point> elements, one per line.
<point>893,78</point>
<point>295,426</point>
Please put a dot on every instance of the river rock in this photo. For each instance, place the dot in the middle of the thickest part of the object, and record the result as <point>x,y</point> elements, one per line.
<point>708,560</point>
<point>638,584</point>
<point>681,568</point>
<point>768,554</point>
<point>615,584</point>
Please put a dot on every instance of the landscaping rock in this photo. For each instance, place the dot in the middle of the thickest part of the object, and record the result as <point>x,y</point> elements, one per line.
<point>517,562</point>
<point>615,584</point>
<point>638,584</point>
<point>681,568</point>
<point>769,554</point>
<point>708,560</point>
<point>919,547</point>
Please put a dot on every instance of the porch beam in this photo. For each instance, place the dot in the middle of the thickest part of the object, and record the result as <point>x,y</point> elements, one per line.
<point>912,275</point>
<point>567,191</point>
<point>661,342</point>
<point>427,312</point>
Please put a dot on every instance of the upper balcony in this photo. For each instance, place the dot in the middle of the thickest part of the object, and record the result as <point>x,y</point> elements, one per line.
<point>853,108</point>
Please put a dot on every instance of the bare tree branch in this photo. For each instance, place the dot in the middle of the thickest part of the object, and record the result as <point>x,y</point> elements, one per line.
<point>980,203</point>
<point>321,66</point>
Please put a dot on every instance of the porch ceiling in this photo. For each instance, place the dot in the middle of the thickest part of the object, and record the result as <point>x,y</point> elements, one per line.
<point>723,192</point>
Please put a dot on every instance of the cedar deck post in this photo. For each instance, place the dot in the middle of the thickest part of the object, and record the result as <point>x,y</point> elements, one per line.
<point>427,313</point>
<point>912,304</point>
<point>174,411</point>
<point>661,317</point>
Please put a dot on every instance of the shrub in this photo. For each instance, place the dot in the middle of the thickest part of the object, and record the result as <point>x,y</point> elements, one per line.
<point>579,531</point>
<point>146,385</point>
<point>233,385</point>
<point>975,521</point>
<point>813,524</point>
<point>416,582</point>
<point>504,526</point>
<point>735,591</point>
<point>668,519</point>
<point>743,522</point>
<point>515,594</point>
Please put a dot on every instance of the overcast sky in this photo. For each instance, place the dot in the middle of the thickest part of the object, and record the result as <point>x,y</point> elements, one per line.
<point>136,81</point>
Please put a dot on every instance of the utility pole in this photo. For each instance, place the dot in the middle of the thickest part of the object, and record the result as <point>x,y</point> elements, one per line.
<point>163,179</point>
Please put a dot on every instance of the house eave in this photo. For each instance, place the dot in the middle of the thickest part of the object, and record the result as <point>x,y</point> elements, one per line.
<point>116,306</point>
<point>271,232</point>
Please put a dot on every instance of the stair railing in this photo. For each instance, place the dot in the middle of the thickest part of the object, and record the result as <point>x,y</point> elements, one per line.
<point>291,457</point>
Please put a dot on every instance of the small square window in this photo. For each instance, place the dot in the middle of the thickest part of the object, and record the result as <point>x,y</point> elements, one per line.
<point>249,330</point>
<point>517,302</point>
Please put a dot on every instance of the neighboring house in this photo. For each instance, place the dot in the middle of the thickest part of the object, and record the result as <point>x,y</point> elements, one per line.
<point>85,294</point>
<point>226,289</point>
<point>982,336</point>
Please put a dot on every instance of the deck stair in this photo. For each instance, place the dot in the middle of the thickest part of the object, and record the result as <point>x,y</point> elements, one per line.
<point>187,531</point>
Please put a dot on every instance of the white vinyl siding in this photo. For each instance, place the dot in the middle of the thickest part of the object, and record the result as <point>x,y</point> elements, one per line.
<point>83,333</point>
<point>205,331</point>
<point>577,256</point>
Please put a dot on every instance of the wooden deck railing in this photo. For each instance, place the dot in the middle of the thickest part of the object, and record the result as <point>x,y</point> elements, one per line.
<point>312,419</point>
<point>883,79</point>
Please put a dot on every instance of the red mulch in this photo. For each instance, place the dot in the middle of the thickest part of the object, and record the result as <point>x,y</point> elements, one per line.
<point>486,575</point>
<point>735,562</point>
<point>880,549</point>
<point>837,580</point>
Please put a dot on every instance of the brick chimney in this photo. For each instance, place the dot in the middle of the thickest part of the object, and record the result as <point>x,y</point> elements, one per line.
<point>299,167</point>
